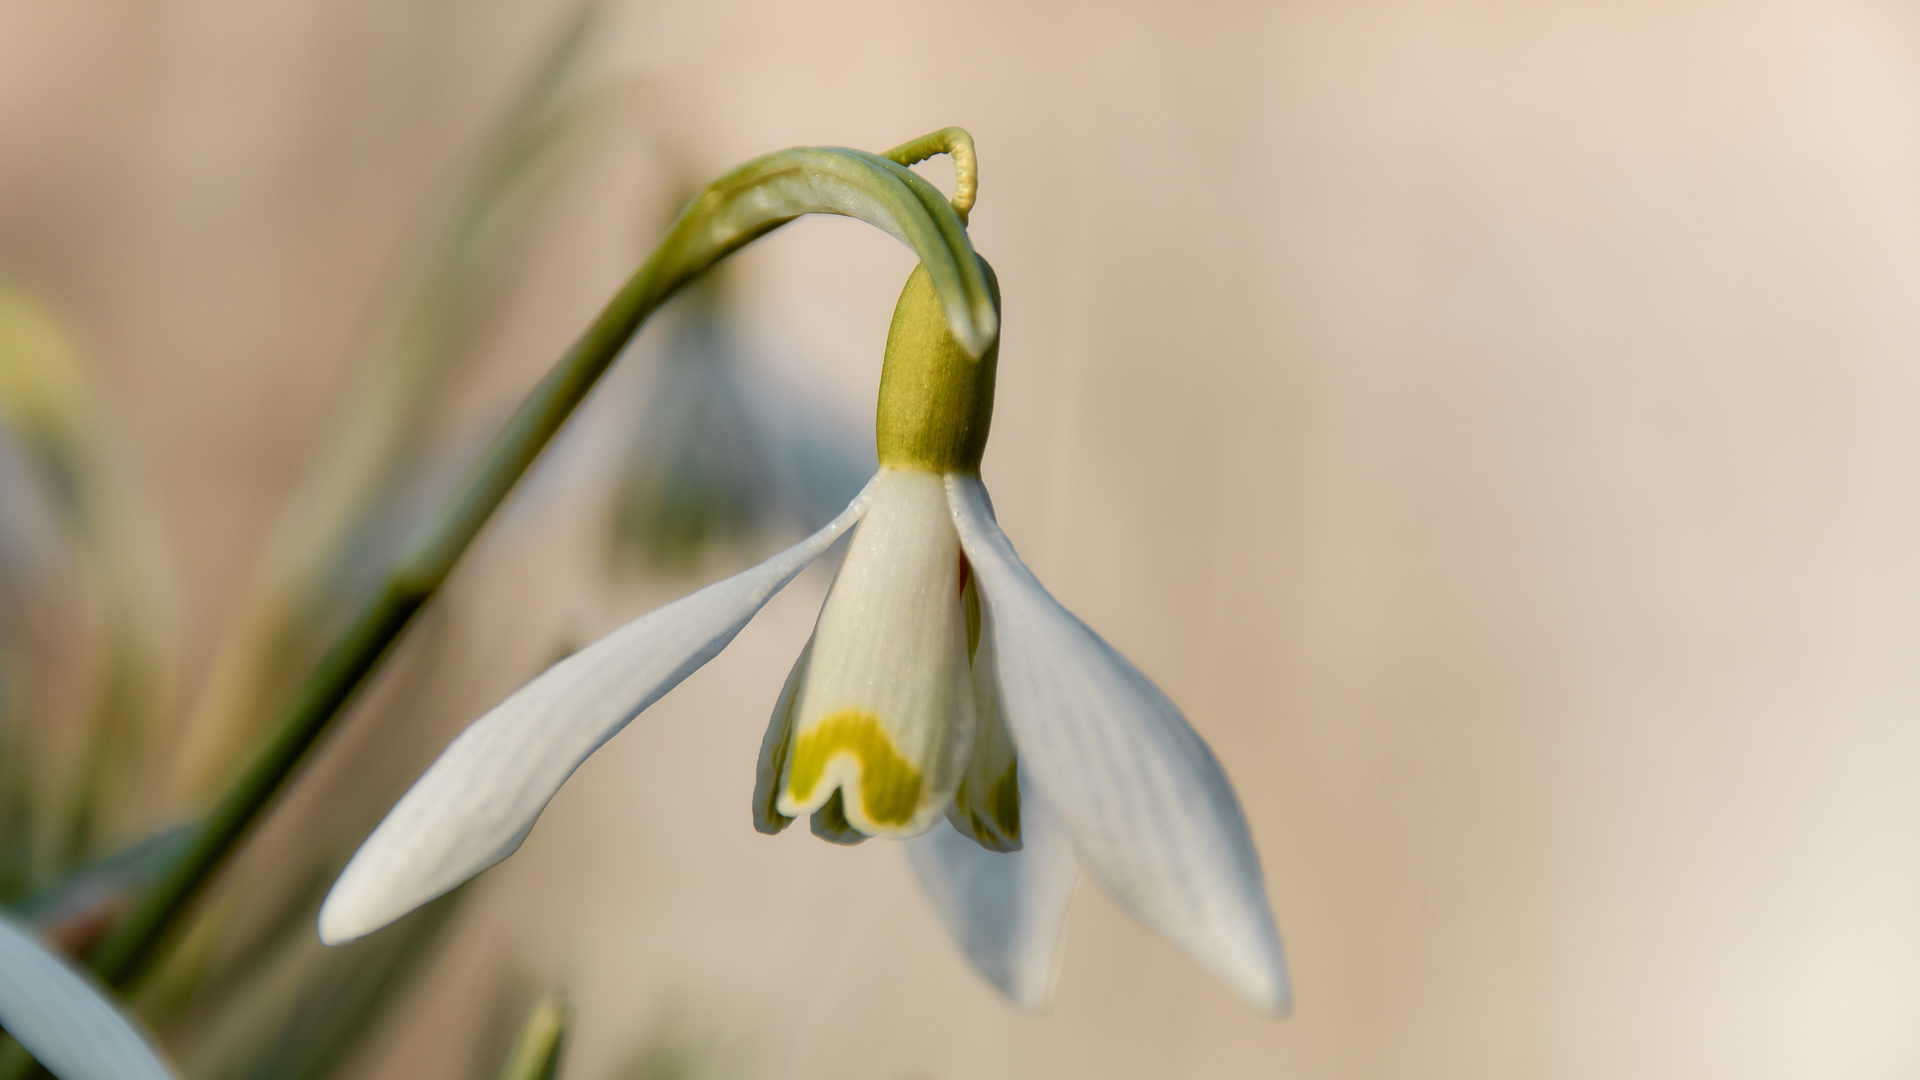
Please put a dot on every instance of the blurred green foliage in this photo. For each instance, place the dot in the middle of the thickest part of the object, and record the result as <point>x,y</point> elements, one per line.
<point>87,618</point>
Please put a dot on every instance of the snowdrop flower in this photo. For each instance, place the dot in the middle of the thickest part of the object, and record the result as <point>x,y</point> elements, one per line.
<point>941,681</point>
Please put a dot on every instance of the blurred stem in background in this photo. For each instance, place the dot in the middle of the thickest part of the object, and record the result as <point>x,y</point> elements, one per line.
<point>354,508</point>
<point>257,994</point>
<point>303,1016</point>
<point>386,458</point>
<point>67,773</point>
<point>252,995</point>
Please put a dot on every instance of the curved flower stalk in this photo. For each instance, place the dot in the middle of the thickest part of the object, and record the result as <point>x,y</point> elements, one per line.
<point>68,1024</point>
<point>941,681</point>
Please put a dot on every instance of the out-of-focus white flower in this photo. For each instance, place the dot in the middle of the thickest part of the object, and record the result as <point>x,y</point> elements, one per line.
<point>941,681</point>
<point>63,1020</point>
<point>723,452</point>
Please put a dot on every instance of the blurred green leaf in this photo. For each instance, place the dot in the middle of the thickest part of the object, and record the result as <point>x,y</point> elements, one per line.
<point>73,912</point>
<point>309,1009</point>
<point>58,445</point>
<point>535,1054</point>
<point>379,468</point>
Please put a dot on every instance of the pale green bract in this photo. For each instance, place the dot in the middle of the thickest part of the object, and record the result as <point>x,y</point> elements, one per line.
<point>64,1020</point>
<point>768,192</point>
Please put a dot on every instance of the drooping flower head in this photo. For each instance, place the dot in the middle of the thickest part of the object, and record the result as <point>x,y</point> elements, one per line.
<point>942,684</point>
<point>876,731</point>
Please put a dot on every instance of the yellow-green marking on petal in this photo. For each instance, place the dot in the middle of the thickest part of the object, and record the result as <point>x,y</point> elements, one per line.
<point>889,784</point>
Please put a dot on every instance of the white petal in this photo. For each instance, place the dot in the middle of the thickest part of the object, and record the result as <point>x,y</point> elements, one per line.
<point>64,1020</point>
<point>884,708</point>
<point>1150,811</point>
<point>1005,910</point>
<point>478,801</point>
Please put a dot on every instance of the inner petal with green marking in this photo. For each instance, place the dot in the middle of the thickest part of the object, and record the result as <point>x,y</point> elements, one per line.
<point>861,756</point>
<point>882,707</point>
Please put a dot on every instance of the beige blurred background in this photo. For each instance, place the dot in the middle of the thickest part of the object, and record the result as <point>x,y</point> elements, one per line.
<point>1493,423</point>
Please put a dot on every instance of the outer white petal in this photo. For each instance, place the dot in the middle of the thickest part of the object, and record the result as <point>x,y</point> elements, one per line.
<point>1005,911</point>
<point>479,800</point>
<point>1150,811</point>
<point>68,1024</point>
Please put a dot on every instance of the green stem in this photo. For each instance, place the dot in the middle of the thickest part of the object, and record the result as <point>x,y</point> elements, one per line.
<point>731,213</point>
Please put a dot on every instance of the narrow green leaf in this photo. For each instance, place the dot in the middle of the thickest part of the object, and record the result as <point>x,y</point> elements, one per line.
<point>536,1050</point>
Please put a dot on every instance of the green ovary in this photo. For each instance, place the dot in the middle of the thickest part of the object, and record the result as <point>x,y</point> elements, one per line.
<point>889,784</point>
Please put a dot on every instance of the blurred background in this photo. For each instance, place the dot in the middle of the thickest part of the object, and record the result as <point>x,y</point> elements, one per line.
<point>1492,423</point>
